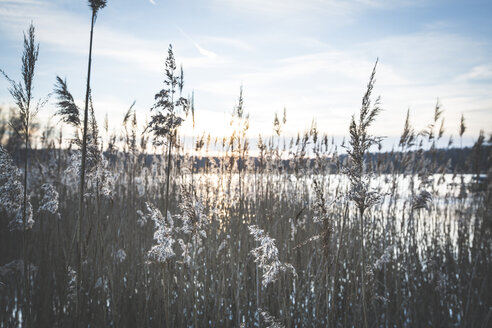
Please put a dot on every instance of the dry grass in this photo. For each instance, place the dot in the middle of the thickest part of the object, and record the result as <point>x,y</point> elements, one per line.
<point>393,241</point>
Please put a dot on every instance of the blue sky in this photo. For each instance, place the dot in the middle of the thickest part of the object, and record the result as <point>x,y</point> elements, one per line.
<point>312,56</point>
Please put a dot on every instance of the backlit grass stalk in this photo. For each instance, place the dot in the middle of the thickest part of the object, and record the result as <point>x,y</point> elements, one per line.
<point>22,94</point>
<point>95,5</point>
<point>359,144</point>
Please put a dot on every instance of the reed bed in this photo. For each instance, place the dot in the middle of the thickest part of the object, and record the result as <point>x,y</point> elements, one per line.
<point>298,236</point>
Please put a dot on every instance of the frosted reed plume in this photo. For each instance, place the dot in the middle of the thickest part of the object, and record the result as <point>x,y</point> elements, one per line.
<point>49,202</point>
<point>270,320</point>
<point>372,261</point>
<point>163,235</point>
<point>266,255</point>
<point>11,193</point>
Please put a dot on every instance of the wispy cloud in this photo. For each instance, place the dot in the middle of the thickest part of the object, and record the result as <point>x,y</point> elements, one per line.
<point>206,53</point>
<point>152,2</point>
<point>325,8</point>
<point>329,85</point>
<point>477,73</point>
<point>201,50</point>
<point>50,21</point>
<point>30,2</point>
<point>228,42</point>
<point>311,74</point>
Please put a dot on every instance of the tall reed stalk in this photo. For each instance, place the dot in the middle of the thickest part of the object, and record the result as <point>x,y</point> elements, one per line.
<point>300,235</point>
<point>23,97</point>
<point>360,142</point>
<point>95,5</point>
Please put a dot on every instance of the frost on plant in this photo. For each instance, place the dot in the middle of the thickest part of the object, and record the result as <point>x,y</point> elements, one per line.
<point>270,320</point>
<point>102,283</point>
<point>385,258</point>
<point>70,177</point>
<point>100,179</point>
<point>49,202</point>
<point>142,218</point>
<point>11,193</point>
<point>222,245</point>
<point>359,144</point>
<point>194,221</point>
<point>362,195</point>
<point>266,255</point>
<point>139,184</point>
<point>186,248</point>
<point>72,284</point>
<point>163,235</point>
<point>120,255</point>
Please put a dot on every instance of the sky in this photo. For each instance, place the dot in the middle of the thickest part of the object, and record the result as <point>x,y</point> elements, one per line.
<point>313,57</point>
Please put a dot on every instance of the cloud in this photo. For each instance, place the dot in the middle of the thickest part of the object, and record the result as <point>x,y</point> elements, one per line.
<point>308,75</point>
<point>66,32</point>
<point>477,73</point>
<point>428,53</point>
<point>414,70</point>
<point>201,50</point>
<point>152,2</point>
<point>319,8</point>
<point>29,2</point>
<point>206,53</point>
<point>229,43</point>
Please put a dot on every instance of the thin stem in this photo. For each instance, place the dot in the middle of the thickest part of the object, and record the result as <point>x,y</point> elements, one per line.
<point>363,264</point>
<point>82,174</point>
